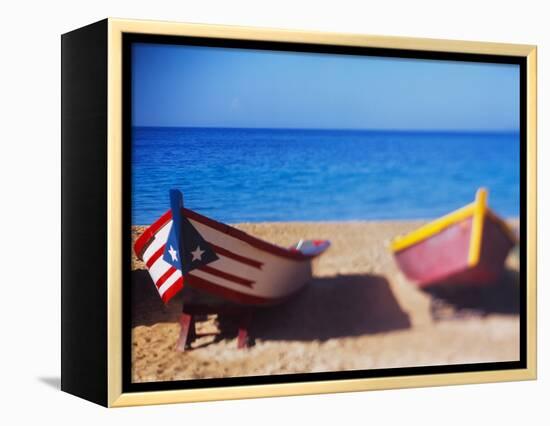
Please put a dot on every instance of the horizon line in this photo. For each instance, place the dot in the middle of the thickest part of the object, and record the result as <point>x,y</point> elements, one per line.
<point>404,130</point>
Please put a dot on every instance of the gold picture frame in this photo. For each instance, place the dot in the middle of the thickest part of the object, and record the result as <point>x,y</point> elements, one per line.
<point>114,30</point>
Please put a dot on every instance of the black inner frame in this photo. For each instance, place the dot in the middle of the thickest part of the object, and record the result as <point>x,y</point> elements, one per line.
<point>129,39</point>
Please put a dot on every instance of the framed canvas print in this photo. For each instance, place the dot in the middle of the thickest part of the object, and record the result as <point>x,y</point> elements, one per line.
<point>251,212</point>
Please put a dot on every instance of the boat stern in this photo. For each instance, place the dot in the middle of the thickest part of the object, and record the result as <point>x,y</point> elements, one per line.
<point>468,247</point>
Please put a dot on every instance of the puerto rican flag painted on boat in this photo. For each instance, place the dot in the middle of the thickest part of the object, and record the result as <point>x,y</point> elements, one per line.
<point>247,269</point>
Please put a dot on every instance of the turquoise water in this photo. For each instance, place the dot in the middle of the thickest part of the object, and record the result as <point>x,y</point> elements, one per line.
<point>259,175</point>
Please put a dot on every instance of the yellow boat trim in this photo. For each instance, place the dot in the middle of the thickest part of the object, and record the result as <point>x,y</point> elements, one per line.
<point>478,210</point>
<point>476,236</point>
<point>432,228</point>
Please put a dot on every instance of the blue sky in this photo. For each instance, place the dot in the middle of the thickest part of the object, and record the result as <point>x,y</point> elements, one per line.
<point>191,86</point>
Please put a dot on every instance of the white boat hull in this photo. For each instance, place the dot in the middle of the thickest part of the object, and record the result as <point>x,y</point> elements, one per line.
<point>248,270</point>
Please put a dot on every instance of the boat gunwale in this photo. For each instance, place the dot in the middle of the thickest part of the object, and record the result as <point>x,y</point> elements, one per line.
<point>438,225</point>
<point>432,228</point>
<point>143,240</point>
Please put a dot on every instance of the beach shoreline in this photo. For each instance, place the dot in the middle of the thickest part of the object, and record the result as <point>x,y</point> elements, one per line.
<point>359,312</point>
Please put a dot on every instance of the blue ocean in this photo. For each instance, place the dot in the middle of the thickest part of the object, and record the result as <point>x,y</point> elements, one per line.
<point>267,175</point>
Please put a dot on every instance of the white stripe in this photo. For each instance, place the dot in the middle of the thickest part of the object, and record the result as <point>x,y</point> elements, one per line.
<point>169,282</point>
<point>158,269</point>
<point>159,240</point>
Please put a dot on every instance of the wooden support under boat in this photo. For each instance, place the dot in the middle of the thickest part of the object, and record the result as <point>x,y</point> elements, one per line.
<point>243,337</point>
<point>233,321</point>
<point>187,332</point>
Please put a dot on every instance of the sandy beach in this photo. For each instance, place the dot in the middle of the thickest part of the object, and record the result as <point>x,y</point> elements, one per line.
<point>359,312</point>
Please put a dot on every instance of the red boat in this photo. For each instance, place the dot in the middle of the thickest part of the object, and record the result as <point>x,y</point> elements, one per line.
<point>466,247</point>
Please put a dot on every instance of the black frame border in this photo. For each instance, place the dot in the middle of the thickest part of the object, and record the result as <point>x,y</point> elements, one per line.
<point>129,38</point>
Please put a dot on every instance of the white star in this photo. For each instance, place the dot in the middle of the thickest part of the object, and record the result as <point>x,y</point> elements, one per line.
<point>197,254</point>
<point>173,253</point>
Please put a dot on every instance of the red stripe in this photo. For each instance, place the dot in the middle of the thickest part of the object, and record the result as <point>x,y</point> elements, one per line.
<point>165,276</point>
<point>172,290</point>
<point>226,275</point>
<point>149,233</point>
<point>231,295</point>
<point>235,256</point>
<point>155,256</point>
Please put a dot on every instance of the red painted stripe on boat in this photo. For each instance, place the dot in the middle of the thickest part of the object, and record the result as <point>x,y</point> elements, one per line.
<point>154,257</point>
<point>227,253</point>
<point>225,275</point>
<point>165,276</point>
<point>231,295</point>
<point>149,233</point>
<point>172,290</point>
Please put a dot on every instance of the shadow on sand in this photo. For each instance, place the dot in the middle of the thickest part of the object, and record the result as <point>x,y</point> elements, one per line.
<point>341,306</point>
<point>147,306</point>
<point>329,307</point>
<point>501,297</point>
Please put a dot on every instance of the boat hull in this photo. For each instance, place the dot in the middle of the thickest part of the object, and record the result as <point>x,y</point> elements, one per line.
<point>443,259</point>
<point>248,271</point>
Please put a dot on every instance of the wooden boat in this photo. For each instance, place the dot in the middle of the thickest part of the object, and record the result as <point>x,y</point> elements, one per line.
<point>241,271</point>
<point>248,270</point>
<point>466,247</point>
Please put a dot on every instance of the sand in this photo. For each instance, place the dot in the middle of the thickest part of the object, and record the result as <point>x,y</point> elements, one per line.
<point>359,312</point>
